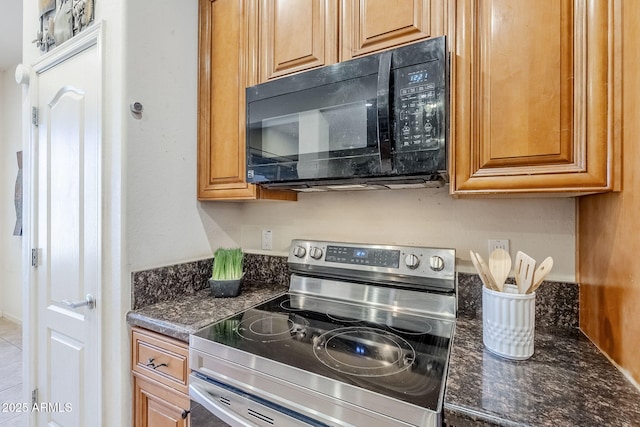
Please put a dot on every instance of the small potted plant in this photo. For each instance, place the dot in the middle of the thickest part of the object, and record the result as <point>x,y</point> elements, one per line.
<point>227,275</point>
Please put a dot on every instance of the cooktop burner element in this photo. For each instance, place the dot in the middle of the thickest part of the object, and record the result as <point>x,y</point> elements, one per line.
<point>266,329</point>
<point>347,345</point>
<point>365,352</point>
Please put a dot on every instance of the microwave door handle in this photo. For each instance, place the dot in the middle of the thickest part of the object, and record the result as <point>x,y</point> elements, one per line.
<point>383,124</point>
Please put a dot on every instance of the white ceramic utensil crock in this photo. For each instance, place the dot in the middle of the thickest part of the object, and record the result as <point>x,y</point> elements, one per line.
<point>508,322</point>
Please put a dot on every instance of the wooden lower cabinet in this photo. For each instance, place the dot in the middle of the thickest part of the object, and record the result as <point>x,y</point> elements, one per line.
<point>160,380</point>
<point>156,405</point>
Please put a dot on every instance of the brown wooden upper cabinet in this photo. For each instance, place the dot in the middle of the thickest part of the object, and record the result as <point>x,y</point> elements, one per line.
<point>533,92</point>
<point>370,26</point>
<point>226,67</point>
<point>245,42</point>
<point>535,88</point>
<point>297,35</point>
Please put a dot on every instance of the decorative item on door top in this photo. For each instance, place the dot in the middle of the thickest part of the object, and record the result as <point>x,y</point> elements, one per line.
<point>62,19</point>
<point>17,231</point>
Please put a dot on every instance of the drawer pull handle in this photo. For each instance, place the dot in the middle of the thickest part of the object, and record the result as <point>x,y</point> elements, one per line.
<point>152,365</point>
<point>184,414</point>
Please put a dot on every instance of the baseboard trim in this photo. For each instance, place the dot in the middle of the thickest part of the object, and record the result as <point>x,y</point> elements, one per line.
<point>11,318</point>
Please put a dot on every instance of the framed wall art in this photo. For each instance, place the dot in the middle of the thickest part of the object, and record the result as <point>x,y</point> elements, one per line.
<point>62,19</point>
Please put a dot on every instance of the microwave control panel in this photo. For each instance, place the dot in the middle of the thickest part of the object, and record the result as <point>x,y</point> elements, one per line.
<point>418,106</point>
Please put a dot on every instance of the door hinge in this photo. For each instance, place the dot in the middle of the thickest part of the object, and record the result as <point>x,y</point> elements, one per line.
<point>34,397</point>
<point>34,116</point>
<point>34,257</point>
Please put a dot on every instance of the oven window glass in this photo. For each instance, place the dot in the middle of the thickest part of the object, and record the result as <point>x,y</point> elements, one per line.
<point>323,132</point>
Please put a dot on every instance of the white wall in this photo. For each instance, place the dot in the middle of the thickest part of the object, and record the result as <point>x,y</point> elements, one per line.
<point>429,217</point>
<point>166,224</point>
<point>10,245</point>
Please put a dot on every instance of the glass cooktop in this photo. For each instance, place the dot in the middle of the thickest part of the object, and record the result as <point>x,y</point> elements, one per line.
<point>399,355</point>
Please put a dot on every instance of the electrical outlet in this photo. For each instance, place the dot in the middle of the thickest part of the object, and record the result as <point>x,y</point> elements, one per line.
<point>267,240</point>
<point>498,244</point>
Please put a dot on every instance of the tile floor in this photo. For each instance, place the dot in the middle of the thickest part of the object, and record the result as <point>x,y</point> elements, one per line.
<point>10,371</point>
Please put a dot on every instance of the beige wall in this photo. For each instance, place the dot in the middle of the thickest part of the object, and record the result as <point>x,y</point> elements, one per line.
<point>429,217</point>
<point>10,245</point>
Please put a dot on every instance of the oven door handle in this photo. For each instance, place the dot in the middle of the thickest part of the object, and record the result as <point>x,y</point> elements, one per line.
<point>207,400</point>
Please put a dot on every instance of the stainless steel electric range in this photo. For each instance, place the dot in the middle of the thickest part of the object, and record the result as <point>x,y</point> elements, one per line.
<point>362,338</point>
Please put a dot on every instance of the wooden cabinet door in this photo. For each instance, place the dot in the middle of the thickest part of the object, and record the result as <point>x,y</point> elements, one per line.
<point>156,405</point>
<point>297,35</point>
<point>372,25</point>
<point>531,85</point>
<point>225,69</point>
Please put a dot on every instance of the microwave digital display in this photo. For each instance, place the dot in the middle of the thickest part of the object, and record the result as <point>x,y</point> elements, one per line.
<point>417,77</point>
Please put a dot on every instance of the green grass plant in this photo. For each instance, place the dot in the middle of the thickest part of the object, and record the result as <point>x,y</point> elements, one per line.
<point>227,264</point>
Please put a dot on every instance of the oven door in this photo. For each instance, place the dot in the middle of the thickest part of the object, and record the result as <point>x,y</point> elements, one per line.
<point>214,404</point>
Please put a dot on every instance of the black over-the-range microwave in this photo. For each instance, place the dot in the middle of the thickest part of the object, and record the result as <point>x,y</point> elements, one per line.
<point>375,121</point>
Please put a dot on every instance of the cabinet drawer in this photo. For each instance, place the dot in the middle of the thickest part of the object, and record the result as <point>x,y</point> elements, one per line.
<point>160,358</point>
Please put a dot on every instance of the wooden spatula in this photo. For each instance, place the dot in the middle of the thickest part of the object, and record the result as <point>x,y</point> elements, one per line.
<point>500,266</point>
<point>524,268</point>
<point>540,274</point>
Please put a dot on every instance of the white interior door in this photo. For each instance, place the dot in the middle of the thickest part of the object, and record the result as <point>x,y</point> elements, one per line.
<point>67,202</point>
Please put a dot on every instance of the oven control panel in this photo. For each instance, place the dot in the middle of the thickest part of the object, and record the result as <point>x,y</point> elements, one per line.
<point>384,263</point>
<point>363,256</point>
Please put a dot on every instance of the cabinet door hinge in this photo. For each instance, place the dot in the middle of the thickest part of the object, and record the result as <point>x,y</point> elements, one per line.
<point>34,116</point>
<point>34,257</point>
<point>34,397</point>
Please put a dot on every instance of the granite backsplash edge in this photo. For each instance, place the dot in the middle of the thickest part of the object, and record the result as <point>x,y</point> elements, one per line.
<point>556,302</point>
<point>166,283</point>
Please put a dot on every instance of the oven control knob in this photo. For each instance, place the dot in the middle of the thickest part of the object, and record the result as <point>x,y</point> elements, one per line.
<point>412,261</point>
<point>436,263</point>
<point>299,251</point>
<point>315,253</point>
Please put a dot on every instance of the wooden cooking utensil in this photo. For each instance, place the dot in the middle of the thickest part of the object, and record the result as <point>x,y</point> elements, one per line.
<point>486,281</point>
<point>539,275</point>
<point>524,269</point>
<point>485,270</point>
<point>500,266</point>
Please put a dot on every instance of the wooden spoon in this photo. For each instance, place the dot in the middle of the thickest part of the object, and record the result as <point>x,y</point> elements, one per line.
<point>485,270</point>
<point>500,266</point>
<point>483,277</point>
<point>539,275</point>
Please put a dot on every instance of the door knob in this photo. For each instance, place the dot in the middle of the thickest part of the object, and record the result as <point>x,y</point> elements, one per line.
<point>89,301</point>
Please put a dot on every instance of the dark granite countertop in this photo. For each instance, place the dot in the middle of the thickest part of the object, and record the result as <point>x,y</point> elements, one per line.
<point>187,313</point>
<point>567,382</point>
